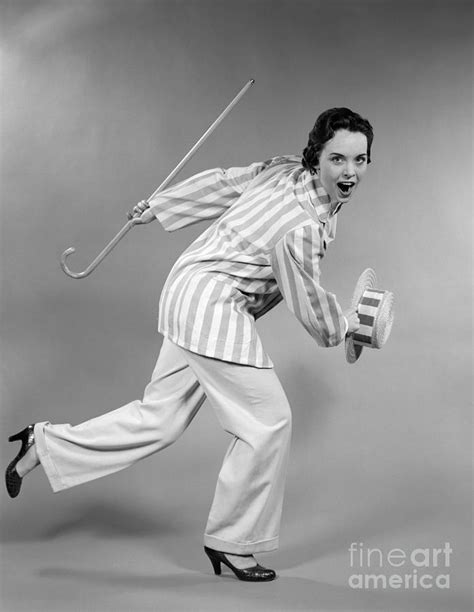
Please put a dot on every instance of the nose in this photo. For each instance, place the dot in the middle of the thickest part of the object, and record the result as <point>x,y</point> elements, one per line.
<point>349,169</point>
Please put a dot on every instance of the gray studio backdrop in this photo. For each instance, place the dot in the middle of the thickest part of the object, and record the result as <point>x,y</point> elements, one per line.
<point>100,100</point>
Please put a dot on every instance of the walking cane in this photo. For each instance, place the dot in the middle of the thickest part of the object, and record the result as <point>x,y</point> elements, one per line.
<point>136,220</point>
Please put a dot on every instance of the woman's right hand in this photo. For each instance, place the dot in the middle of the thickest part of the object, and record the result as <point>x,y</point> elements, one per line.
<point>143,211</point>
<point>352,320</point>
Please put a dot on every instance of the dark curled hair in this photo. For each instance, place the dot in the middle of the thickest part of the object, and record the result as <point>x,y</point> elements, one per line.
<point>327,124</point>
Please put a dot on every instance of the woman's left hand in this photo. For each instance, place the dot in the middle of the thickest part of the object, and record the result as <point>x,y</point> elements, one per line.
<point>352,320</point>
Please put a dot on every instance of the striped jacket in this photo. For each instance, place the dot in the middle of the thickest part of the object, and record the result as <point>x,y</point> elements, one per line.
<point>273,223</point>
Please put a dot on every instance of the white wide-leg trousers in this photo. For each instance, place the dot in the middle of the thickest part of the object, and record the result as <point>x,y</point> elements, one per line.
<point>250,404</point>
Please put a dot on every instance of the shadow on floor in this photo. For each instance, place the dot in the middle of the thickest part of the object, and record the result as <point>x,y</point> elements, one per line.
<point>105,520</point>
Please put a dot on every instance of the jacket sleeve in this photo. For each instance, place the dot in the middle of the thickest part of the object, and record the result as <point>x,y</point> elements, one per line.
<point>295,263</point>
<point>206,195</point>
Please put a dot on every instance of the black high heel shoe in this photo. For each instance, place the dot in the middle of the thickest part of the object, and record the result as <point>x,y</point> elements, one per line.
<point>257,573</point>
<point>12,478</point>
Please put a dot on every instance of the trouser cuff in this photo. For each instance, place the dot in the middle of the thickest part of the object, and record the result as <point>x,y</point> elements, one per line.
<point>47,463</point>
<point>241,548</point>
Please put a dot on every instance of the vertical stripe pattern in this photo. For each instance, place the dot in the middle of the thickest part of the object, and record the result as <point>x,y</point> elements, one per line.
<point>273,222</point>
<point>375,311</point>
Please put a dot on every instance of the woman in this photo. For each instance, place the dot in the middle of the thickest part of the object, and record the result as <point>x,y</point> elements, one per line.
<point>274,221</point>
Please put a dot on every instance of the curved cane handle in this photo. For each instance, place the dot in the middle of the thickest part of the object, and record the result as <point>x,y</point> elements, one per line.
<point>126,228</point>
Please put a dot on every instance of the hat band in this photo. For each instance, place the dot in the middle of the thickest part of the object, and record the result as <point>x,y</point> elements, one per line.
<point>375,310</point>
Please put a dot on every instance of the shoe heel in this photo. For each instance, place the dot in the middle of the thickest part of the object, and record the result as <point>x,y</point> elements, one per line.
<point>216,564</point>
<point>19,436</point>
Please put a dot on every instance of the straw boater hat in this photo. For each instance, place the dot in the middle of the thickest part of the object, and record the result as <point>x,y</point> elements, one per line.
<point>375,310</point>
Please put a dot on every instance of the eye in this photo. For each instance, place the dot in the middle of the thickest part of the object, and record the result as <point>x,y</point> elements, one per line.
<point>336,159</point>
<point>361,159</point>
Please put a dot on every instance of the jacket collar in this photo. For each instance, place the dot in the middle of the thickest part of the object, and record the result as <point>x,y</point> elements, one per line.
<point>319,197</point>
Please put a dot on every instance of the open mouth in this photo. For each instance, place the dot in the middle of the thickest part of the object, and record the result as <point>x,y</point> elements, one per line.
<point>345,187</point>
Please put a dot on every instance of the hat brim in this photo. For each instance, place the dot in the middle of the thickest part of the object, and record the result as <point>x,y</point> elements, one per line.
<point>367,280</point>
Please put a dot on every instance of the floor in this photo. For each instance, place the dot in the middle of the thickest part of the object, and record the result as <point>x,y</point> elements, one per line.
<point>86,564</point>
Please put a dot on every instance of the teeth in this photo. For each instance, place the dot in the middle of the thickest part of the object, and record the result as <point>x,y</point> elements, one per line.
<point>345,185</point>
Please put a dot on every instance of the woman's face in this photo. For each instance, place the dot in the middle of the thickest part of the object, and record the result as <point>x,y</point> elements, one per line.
<point>342,164</point>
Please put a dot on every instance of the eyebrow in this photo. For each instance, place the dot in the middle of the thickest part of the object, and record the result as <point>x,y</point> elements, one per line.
<point>341,155</point>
